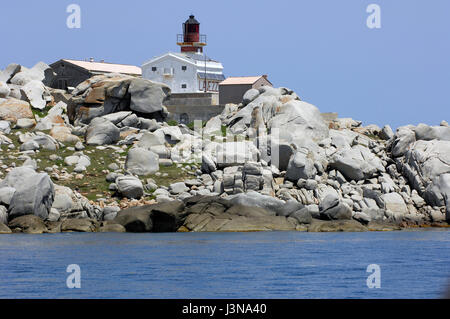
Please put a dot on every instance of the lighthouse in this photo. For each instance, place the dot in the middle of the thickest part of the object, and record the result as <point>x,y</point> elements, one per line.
<point>191,40</point>
<point>188,71</point>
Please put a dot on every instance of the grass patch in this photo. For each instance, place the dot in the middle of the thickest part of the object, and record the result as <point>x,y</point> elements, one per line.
<point>93,185</point>
<point>172,123</point>
<point>41,113</point>
<point>174,174</point>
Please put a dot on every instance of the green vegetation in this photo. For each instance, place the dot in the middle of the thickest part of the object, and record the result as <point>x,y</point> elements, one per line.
<point>191,125</point>
<point>174,174</point>
<point>373,136</point>
<point>172,123</point>
<point>41,113</point>
<point>93,184</point>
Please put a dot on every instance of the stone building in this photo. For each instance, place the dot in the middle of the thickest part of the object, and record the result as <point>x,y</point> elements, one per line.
<point>233,88</point>
<point>70,73</point>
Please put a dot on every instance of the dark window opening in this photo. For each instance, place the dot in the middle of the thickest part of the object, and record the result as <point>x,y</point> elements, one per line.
<point>154,68</point>
<point>183,86</point>
<point>184,68</point>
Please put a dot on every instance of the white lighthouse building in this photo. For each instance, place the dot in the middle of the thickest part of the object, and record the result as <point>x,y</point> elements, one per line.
<point>189,71</point>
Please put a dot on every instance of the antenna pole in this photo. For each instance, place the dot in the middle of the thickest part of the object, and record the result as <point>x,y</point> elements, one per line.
<point>205,72</point>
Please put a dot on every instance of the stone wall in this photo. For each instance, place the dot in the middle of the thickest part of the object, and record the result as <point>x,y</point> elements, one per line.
<point>187,114</point>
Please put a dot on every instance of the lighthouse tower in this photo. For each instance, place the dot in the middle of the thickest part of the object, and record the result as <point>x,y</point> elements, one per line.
<point>191,40</point>
<point>188,71</point>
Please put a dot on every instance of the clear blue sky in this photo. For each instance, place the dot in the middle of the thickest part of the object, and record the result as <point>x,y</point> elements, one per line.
<point>322,49</point>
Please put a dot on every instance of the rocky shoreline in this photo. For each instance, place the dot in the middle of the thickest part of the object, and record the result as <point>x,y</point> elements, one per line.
<point>103,158</point>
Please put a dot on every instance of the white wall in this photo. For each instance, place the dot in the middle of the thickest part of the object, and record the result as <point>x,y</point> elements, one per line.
<point>179,77</point>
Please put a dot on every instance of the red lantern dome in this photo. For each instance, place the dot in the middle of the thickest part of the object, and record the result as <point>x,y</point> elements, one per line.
<point>191,40</point>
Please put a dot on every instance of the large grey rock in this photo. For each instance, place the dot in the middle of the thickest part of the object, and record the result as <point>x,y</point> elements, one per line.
<point>12,109</point>
<point>9,72</point>
<point>303,216</point>
<point>25,123</point>
<point>6,193</point>
<point>34,195</point>
<point>172,133</point>
<point>428,133</point>
<point>147,96</point>
<point>117,117</point>
<point>5,127</point>
<point>178,188</point>
<point>386,133</point>
<point>130,121</point>
<point>213,126</point>
<point>208,165</point>
<point>130,186</point>
<point>135,220</point>
<point>427,167</point>
<point>161,217</point>
<point>3,215</point>
<point>272,205</point>
<point>280,109</point>
<point>394,202</point>
<point>250,96</point>
<point>29,146</point>
<point>4,90</point>
<point>299,119</point>
<point>29,224</point>
<point>69,203</point>
<point>73,160</point>
<point>300,166</point>
<point>219,215</point>
<point>162,151</point>
<point>232,153</point>
<point>34,91</point>
<point>332,208</point>
<point>112,228</point>
<point>40,72</point>
<point>403,139</point>
<point>101,131</point>
<point>356,163</point>
<point>149,124</point>
<point>43,141</point>
<point>149,140</point>
<point>84,225</point>
<point>140,161</point>
<point>4,229</point>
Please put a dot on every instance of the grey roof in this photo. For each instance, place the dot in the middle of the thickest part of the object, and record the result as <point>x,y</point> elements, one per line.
<point>192,20</point>
<point>195,57</point>
<point>211,76</point>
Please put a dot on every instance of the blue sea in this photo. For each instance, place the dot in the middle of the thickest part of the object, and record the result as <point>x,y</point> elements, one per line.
<point>413,264</point>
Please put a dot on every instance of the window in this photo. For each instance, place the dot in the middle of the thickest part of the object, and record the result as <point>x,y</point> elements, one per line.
<point>184,68</point>
<point>62,84</point>
<point>168,71</point>
<point>183,86</point>
<point>154,68</point>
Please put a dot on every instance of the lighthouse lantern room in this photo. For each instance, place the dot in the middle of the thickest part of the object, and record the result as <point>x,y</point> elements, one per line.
<point>191,40</point>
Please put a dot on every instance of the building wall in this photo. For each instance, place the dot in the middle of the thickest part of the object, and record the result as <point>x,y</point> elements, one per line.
<point>187,114</point>
<point>68,75</point>
<point>232,93</point>
<point>192,99</point>
<point>261,82</point>
<point>179,77</point>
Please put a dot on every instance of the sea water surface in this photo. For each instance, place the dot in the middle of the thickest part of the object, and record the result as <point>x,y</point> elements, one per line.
<point>414,264</point>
